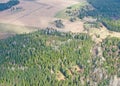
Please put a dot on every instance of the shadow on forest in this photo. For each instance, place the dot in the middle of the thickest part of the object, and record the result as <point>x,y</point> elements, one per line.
<point>9,4</point>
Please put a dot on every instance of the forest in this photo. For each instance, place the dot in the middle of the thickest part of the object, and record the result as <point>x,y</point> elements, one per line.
<point>48,57</point>
<point>52,58</point>
<point>106,11</point>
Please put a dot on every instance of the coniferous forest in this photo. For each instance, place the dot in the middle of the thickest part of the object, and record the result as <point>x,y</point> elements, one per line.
<point>52,58</point>
<point>48,57</point>
<point>106,11</point>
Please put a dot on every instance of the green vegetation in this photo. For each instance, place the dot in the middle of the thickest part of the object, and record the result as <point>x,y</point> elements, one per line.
<point>59,24</point>
<point>111,52</point>
<point>71,11</point>
<point>105,8</point>
<point>106,11</point>
<point>9,28</point>
<point>88,25</point>
<point>113,25</point>
<point>35,58</point>
<point>52,58</point>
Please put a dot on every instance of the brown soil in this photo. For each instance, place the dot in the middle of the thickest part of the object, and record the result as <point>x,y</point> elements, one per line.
<point>75,27</point>
<point>60,76</point>
<point>34,13</point>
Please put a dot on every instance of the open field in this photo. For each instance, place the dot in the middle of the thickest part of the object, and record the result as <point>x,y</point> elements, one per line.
<point>75,27</point>
<point>40,13</point>
<point>63,13</point>
<point>15,28</point>
<point>36,13</point>
<point>7,30</point>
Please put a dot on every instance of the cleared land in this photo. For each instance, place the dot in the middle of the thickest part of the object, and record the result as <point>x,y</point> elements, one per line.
<point>102,33</point>
<point>3,1</point>
<point>36,13</point>
<point>40,14</point>
<point>63,13</point>
<point>75,27</point>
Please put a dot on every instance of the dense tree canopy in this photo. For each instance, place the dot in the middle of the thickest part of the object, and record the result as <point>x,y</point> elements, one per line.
<point>106,11</point>
<point>9,4</point>
<point>52,58</point>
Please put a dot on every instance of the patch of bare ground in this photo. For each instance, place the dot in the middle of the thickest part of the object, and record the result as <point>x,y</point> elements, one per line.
<point>40,13</point>
<point>34,13</point>
<point>76,68</point>
<point>60,76</point>
<point>98,35</point>
<point>75,27</point>
<point>70,71</point>
<point>115,81</point>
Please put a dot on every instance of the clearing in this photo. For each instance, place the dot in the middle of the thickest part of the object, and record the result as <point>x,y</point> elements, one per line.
<point>98,35</point>
<point>34,13</point>
<point>41,14</point>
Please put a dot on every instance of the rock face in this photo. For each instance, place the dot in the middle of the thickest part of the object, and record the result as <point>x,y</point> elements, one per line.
<point>115,81</point>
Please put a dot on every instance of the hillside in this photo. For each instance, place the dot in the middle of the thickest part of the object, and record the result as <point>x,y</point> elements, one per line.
<point>52,58</point>
<point>106,11</point>
<point>32,13</point>
<point>60,43</point>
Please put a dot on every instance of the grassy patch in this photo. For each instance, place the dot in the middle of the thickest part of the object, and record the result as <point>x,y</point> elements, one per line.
<point>65,15</point>
<point>9,28</point>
